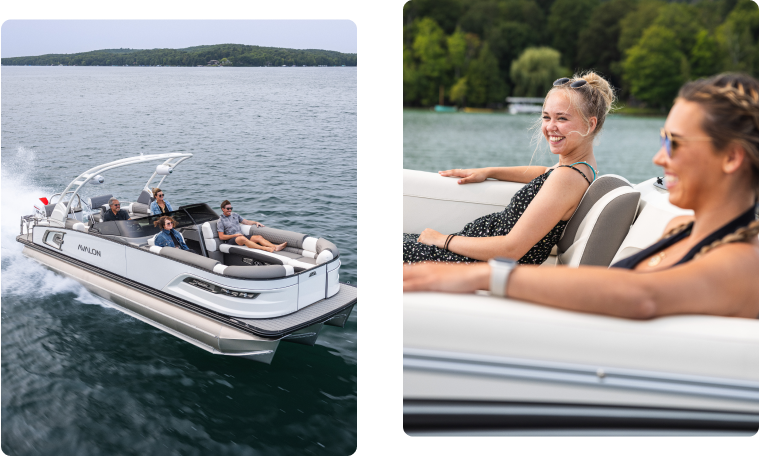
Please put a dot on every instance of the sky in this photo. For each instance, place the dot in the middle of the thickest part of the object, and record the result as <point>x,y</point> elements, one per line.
<point>22,38</point>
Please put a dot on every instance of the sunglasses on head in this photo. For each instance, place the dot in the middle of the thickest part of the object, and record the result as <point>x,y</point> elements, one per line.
<point>575,85</point>
<point>670,143</point>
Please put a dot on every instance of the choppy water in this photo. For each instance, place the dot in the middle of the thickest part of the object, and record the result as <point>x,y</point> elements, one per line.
<point>438,141</point>
<point>79,377</point>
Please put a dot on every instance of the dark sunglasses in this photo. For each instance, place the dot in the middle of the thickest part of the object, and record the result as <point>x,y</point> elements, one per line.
<point>228,208</point>
<point>117,205</point>
<point>575,85</point>
<point>670,144</point>
<point>160,194</point>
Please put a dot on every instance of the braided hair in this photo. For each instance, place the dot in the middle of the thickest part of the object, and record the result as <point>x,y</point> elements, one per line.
<point>731,115</point>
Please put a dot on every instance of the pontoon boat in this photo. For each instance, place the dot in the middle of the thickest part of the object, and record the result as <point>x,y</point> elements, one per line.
<point>225,299</point>
<point>482,365</point>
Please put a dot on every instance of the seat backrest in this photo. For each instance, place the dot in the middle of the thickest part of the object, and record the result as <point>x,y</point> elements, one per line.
<point>600,223</point>
<point>97,201</point>
<point>211,236</point>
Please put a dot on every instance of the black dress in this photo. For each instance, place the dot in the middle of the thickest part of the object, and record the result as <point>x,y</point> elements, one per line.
<point>497,224</point>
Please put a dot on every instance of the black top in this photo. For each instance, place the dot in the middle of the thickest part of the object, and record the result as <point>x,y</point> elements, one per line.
<point>121,215</point>
<point>740,221</point>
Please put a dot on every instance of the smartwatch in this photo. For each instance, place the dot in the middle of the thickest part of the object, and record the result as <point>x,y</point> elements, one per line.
<point>500,268</point>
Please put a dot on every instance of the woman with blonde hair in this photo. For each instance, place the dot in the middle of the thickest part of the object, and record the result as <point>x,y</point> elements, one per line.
<point>573,115</point>
<point>707,263</point>
<point>159,206</point>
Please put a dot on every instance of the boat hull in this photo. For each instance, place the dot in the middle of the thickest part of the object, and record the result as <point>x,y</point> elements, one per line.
<point>217,334</point>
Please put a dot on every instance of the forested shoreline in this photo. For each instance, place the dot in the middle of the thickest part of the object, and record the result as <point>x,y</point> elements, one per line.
<point>478,52</point>
<point>236,55</point>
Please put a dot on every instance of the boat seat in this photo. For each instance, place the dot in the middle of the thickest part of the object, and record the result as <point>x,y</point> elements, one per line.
<point>600,223</point>
<point>209,264</point>
<point>300,250</point>
<point>139,209</point>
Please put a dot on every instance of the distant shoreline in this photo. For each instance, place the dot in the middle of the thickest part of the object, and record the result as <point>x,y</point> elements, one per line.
<point>220,55</point>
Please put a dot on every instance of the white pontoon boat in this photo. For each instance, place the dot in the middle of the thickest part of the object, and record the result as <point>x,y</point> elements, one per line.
<point>225,299</point>
<point>481,365</point>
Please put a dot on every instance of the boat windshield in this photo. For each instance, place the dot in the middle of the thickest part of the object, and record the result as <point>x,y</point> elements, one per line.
<point>141,227</point>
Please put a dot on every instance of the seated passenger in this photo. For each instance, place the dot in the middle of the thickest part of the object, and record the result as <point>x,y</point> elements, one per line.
<point>159,206</point>
<point>573,114</point>
<point>116,213</point>
<point>169,237</point>
<point>230,233</point>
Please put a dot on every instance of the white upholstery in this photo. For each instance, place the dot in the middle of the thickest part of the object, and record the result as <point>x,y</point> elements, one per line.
<point>219,268</point>
<point>155,249</point>
<point>309,244</point>
<point>324,257</point>
<point>289,270</point>
<point>210,238</point>
<point>80,227</point>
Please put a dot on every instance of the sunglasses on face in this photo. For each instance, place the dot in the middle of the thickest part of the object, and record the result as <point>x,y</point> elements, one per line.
<point>228,208</point>
<point>575,85</point>
<point>168,223</point>
<point>117,205</point>
<point>670,143</point>
<point>160,194</point>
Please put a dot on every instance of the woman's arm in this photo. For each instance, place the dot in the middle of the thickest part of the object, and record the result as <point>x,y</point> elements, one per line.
<point>517,173</point>
<point>723,282</point>
<point>522,174</point>
<point>556,201</point>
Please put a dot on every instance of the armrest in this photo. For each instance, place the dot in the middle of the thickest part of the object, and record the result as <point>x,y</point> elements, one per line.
<point>433,201</point>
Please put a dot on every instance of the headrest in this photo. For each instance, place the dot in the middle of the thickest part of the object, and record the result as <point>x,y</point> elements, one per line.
<point>600,187</point>
<point>602,229</point>
<point>97,201</point>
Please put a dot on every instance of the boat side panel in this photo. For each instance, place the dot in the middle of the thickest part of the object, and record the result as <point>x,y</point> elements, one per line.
<point>311,286</point>
<point>333,282</point>
<point>96,251</point>
<point>277,297</point>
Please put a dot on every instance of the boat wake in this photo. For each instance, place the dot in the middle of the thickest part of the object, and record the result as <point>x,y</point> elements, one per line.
<point>21,275</point>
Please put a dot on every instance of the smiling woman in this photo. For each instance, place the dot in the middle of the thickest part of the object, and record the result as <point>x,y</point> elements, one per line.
<point>532,223</point>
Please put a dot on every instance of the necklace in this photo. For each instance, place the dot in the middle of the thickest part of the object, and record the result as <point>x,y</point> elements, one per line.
<point>656,259</point>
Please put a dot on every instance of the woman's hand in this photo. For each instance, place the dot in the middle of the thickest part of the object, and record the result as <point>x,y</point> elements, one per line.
<point>259,225</point>
<point>446,277</point>
<point>469,176</point>
<point>432,237</point>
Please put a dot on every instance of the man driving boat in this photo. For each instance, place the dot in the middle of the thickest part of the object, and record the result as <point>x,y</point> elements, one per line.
<point>116,213</point>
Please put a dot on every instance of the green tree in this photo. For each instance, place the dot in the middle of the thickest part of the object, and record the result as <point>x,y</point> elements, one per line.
<point>597,45</point>
<point>458,91</point>
<point>432,57</point>
<point>737,38</point>
<point>704,57</point>
<point>655,68</point>
<point>636,22</point>
<point>535,70</point>
<point>567,19</point>
<point>483,79</point>
<point>457,52</point>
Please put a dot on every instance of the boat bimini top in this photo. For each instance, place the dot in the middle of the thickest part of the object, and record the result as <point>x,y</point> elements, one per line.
<point>245,300</point>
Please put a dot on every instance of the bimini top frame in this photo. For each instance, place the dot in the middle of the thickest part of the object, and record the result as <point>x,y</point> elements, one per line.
<point>60,213</point>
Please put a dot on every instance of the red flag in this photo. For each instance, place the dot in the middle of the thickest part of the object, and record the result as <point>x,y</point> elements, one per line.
<point>44,201</point>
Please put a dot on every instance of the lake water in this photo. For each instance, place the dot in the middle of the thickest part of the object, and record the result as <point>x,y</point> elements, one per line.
<point>81,378</point>
<point>438,141</point>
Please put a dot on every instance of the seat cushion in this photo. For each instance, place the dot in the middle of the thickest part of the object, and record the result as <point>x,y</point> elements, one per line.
<point>602,229</point>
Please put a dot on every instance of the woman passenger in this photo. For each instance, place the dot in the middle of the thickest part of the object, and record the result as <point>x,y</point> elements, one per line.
<point>573,114</point>
<point>169,237</point>
<point>159,206</point>
<point>704,264</point>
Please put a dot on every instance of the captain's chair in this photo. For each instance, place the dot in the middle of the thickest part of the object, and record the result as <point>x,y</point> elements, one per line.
<point>600,223</point>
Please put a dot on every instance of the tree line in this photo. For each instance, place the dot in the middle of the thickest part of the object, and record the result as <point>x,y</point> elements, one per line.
<point>238,54</point>
<point>477,52</point>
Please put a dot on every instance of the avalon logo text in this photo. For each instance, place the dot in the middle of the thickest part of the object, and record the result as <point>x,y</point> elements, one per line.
<point>89,250</point>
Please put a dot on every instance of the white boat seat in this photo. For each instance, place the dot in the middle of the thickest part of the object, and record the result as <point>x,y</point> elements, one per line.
<point>298,253</point>
<point>600,223</point>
